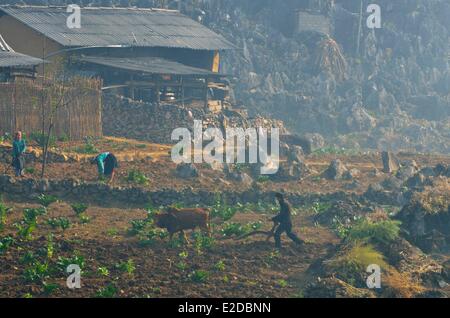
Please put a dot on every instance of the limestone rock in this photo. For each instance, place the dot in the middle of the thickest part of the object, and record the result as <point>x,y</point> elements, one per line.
<point>335,171</point>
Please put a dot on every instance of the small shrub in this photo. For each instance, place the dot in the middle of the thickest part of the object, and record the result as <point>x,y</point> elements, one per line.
<point>384,231</point>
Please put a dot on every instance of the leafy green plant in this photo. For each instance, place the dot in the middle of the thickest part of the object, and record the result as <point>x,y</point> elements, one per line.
<point>219,266</point>
<point>135,176</point>
<point>4,210</point>
<point>223,210</point>
<point>50,246</point>
<point>282,283</point>
<point>384,231</point>
<point>30,215</point>
<point>28,258</point>
<point>5,243</point>
<point>320,207</point>
<point>36,272</point>
<point>203,242</point>
<point>237,229</point>
<point>199,276</point>
<point>126,267</point>
<point>150,236</point>
<point>137,226</point>
<point>49,288</point>
<point>30,170</point>
<point>25,229</point>
<point>46,199</point>
<point>76,259</point>
<point>79,208</point>
<point>60,222</point>
<point>182,265</point>
<point>109,291</point>
<point>84,219</point>
<point>103,271</point>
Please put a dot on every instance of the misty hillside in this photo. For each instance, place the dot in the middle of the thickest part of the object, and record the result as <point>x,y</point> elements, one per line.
<point>387,90</point>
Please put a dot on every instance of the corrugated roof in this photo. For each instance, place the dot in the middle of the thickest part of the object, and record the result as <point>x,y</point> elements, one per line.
<point>120,26</point>
<point>13,59</point>
<point>9,58</point>
<point>150,65</point>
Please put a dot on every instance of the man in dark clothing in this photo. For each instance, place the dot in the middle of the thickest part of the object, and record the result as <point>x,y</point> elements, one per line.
<point>283,220</point>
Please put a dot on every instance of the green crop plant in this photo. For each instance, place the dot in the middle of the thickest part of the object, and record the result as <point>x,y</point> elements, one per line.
<point>37,272</point>
<point>60,222</point>
<point>199,276</point>
<point>84,219</point>
<point>126,267</point>
<point>109,291</point>
<point>45,200</point>
<point>79,208</point>
<point>103,271</point>
<point>5,243</point>
<point>220,266</point>
<point>76,259</point>
<point>137,177</point>
<point>4,210</point>
<point>50,246</point>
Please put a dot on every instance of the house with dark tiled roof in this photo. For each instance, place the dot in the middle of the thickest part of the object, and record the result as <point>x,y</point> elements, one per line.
<point>13,64</point>
<point>147,54</point>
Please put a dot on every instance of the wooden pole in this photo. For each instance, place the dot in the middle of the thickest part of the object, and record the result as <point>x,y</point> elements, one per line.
<point>358,43</point>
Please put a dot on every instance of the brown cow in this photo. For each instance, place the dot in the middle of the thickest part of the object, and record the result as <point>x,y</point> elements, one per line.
<point>177,220</point>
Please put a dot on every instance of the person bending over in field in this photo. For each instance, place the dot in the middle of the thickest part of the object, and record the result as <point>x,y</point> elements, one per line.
<point>106,165</point>
<point>283,223</point>
<point>19,147</point>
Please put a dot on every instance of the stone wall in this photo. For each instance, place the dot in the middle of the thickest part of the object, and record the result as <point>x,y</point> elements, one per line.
<point>123,117</point>
<point>102,194</point>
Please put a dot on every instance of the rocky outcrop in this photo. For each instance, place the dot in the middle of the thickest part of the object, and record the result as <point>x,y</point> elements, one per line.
<point>335,170</point>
